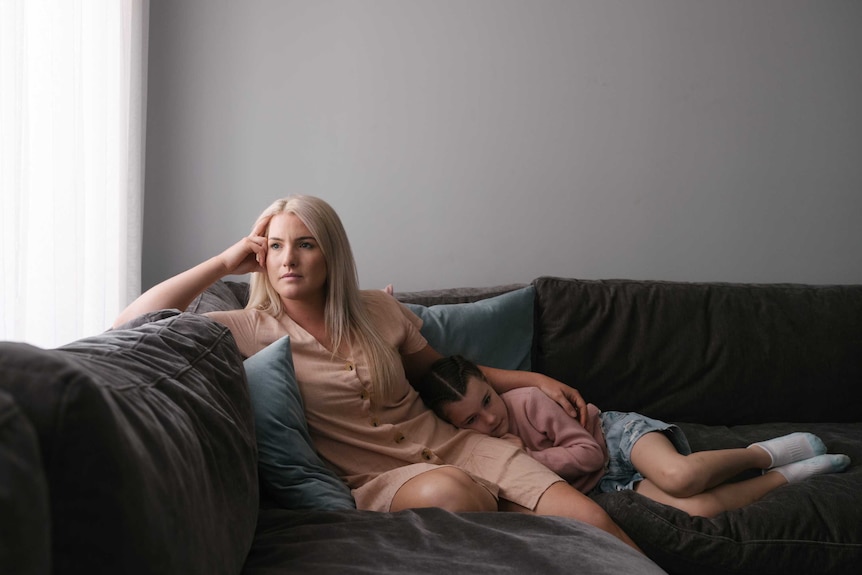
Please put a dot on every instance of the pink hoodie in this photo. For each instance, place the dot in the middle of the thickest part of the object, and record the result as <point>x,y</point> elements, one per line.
<point>554,438</point>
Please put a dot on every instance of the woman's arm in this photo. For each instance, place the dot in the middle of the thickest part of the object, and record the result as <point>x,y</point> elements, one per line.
<point>502,380</point>
<point>416,365</point>
<point>247,255</point>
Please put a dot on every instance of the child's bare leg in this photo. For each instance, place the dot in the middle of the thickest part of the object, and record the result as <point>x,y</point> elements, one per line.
<point>695,483</point>
<point>718,499</point>
<point>686,475</point>
<point>655,457</point>
<point>735,495</point>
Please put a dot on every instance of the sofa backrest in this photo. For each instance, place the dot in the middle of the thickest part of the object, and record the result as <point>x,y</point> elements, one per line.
<point>223,295</point>
<point>712,353</point>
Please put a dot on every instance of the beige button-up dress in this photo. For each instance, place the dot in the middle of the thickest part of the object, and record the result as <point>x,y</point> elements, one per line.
<point>374,444</point>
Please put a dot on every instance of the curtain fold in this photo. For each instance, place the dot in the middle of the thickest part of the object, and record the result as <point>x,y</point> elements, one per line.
<point>72,130</point>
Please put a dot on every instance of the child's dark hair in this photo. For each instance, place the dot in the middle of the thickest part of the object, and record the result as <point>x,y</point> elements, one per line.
<point>446,382</point>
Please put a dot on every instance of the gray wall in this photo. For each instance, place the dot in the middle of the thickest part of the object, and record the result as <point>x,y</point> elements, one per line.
<point>481,142</point>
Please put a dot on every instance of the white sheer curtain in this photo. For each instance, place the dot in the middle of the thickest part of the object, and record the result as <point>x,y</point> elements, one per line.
<point>72,119</point>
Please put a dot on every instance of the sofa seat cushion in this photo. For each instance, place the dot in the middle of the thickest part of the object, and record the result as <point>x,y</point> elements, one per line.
<point>807,527</point>
<point>147,440</point>
<point>431,541</point>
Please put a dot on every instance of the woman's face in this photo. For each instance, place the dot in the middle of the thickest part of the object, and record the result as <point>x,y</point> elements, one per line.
<point>295,263</point>
<point>481,409</point>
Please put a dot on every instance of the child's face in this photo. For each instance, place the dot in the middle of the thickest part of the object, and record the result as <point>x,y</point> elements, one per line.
<point>481,410</point>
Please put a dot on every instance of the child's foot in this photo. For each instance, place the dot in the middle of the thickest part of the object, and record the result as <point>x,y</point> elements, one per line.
<point>799,470</point>
<point>791,448</point>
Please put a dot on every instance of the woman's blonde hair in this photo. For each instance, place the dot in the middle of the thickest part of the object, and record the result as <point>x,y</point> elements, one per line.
<point>346,316</point>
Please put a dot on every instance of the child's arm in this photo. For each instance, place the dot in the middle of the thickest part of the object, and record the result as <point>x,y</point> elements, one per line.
<point>572,451</point>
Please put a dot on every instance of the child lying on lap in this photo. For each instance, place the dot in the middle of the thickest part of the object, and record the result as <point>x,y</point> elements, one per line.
<point>618,450</point>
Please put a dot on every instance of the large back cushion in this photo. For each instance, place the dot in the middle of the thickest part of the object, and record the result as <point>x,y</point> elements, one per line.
<point>707,353</point>
<point>147,441</point>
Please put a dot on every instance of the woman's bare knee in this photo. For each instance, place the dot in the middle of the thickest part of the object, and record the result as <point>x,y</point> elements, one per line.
<point>448,488</point>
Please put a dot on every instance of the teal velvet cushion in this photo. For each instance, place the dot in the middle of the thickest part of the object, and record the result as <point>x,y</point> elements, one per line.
<point>290,469</point>
<point>496,332</point>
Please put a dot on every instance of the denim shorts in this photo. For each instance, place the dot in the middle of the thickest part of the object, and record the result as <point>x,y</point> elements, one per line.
<point>622,430</point>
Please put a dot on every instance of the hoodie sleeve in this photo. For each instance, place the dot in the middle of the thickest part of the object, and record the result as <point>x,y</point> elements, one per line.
<point>560,442</point>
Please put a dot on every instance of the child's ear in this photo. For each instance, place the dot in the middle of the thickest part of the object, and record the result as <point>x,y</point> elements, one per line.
<point>389,289</point>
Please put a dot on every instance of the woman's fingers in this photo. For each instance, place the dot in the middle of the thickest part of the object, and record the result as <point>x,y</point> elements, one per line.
<point>581,406</point>
<point>246,255</point>
<point>259,229</point>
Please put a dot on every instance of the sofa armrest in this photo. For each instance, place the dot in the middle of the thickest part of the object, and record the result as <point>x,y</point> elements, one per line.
<point>147,444</point>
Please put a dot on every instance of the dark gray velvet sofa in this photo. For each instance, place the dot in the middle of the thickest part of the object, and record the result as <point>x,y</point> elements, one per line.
<point>134,451</point>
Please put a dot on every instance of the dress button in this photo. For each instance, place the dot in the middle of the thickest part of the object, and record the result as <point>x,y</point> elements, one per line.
<point>364,395</point>
<point>349,367</point>
<point>399,438</point>
<point>427,455</point>
<point>375,422</point>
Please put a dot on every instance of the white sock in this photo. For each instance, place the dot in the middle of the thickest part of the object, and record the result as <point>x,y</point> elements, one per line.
<point>793,447</point>
<point>799,470</point>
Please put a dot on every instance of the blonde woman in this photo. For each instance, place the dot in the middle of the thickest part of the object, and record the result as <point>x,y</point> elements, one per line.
<point>355,353</point>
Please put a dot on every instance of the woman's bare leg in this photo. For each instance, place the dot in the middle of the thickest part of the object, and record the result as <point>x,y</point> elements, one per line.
<point>563,500</point>
<point>446,487</point>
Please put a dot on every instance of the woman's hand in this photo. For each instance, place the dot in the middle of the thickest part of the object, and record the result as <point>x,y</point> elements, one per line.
<point>248,254</point>
<point>568,397</point>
